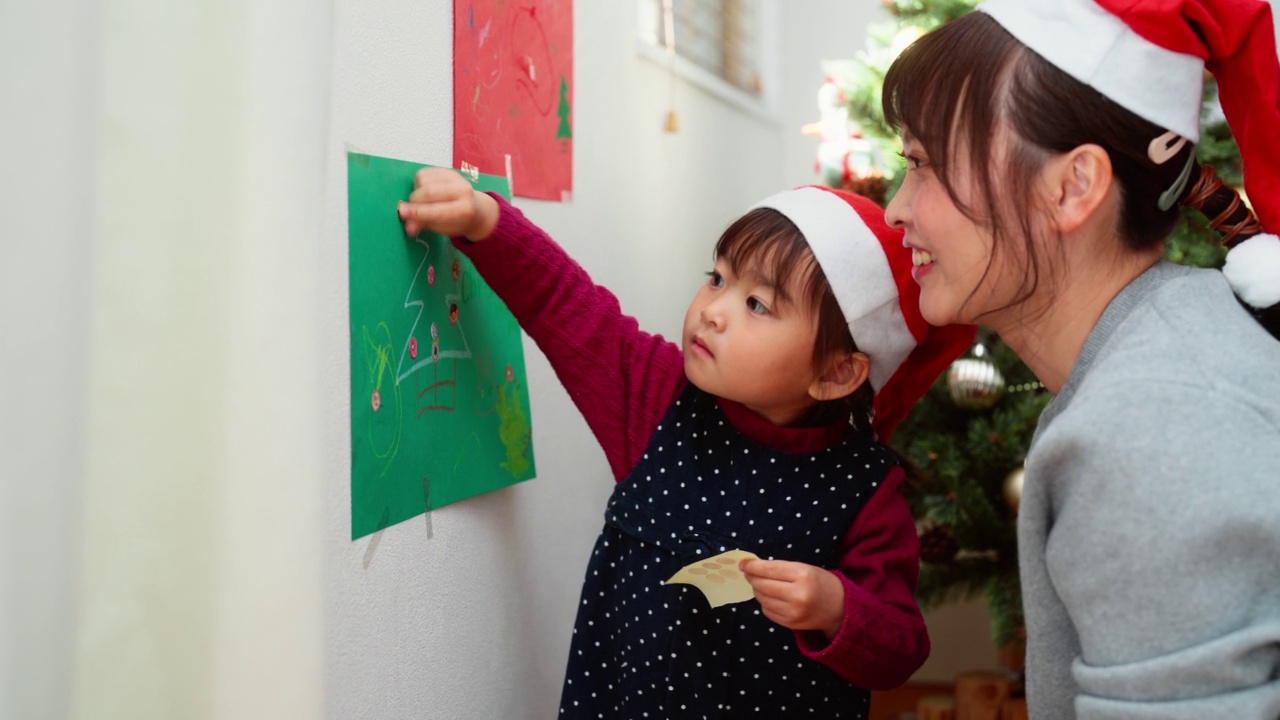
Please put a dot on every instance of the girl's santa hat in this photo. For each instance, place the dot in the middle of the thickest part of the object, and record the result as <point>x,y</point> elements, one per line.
<point>1149,57</point>
<point>869,270</point>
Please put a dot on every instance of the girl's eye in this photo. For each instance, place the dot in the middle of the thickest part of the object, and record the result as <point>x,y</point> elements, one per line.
<point>756,306</point>
<point>715,279</point>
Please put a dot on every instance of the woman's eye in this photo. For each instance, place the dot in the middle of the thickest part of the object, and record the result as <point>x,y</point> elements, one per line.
<point>913,161</point>
<point>756,306</point>
<point>715,279</point>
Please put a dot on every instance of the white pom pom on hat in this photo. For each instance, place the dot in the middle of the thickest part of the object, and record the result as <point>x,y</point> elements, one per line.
<point>1149,57</point>
<point>1252,268</point>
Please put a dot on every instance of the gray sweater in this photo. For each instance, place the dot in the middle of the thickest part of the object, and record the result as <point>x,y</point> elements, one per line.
<point>1149,527</point>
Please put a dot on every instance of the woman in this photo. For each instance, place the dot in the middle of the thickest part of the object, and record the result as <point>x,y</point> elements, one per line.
<point>1048,144</point>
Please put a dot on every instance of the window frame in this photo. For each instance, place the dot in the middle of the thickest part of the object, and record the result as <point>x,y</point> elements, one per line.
<point>766,105</point>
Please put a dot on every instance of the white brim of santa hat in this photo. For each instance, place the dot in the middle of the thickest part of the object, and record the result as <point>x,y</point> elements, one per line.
<point>854,262</point>
<point>1097,48</point>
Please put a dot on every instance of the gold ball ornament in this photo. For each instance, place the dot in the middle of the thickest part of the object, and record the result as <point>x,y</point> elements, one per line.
<point>974,383</point>
<point>1012,488</point>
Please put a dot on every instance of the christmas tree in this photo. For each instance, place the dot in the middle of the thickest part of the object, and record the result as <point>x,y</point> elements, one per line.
<point>970,433</point>
<point>563,131</point>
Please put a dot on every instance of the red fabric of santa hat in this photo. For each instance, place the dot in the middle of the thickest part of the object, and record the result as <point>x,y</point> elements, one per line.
<point>1149,57</point>
<point>869,270</point>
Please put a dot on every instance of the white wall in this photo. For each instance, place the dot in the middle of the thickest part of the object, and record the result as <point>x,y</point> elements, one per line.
<point>44,349</point>
<point>160,554</point>
<point>176,518</point>
<point>811,33</point>
<point>472,617</point>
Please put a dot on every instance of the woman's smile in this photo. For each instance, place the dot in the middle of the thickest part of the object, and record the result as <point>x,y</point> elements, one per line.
<point>921,261</point>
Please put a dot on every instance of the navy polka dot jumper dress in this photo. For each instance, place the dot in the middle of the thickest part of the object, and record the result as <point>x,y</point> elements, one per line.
<point>643,649</point>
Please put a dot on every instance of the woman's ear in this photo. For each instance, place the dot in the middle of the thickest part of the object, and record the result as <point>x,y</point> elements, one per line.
<point>1079,180</point>
<point>844,374</point>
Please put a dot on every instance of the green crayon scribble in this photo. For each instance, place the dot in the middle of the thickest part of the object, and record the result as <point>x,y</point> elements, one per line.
<point>457,463</point>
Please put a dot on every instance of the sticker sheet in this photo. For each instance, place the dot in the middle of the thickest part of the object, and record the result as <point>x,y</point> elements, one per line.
<point>718,578</point>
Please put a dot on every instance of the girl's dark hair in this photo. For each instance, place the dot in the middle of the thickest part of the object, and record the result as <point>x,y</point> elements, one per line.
<point>956,85</point>
<point>765,240</point>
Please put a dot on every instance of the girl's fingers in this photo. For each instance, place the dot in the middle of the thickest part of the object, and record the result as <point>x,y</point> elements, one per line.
<point>434,193</point>
<point>771,589</point>
<point>415,211</point>
<point>772,569</point>
<point>411,225</point>
<point>446,218</point>
<point>439,184</point>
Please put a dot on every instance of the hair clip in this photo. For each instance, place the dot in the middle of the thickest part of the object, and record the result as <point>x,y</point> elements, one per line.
<point>1165,147</point>
<point>1161,150</point>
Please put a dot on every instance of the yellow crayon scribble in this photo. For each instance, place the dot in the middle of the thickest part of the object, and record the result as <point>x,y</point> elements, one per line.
<point>513,430</point>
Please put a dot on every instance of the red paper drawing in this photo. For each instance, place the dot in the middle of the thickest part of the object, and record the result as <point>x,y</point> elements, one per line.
<point>513,93</point>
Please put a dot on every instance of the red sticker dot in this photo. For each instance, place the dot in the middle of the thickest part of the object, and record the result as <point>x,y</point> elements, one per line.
<point>413,347</point>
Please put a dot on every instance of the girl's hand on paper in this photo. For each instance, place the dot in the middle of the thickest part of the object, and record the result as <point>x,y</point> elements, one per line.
<point>444,202</point>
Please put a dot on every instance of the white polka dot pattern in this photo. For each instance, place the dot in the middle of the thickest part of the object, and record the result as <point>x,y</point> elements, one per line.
<point>644,649</point>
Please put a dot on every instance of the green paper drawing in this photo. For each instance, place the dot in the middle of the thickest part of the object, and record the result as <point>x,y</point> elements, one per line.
<point>439,399</point>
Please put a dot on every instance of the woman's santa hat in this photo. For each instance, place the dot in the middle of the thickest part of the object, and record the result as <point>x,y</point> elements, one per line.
<point>1149,57</point>
<point>869,270</point>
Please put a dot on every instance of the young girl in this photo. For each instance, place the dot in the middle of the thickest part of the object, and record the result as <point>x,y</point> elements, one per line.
<point>756,434</point>
<point>1049,142</point>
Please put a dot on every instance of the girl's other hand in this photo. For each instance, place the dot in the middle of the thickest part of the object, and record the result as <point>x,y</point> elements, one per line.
<point>444,202</point>
<point>797,596</point>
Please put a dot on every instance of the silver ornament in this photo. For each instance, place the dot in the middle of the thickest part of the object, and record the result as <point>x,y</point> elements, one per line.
<point>974,383</point>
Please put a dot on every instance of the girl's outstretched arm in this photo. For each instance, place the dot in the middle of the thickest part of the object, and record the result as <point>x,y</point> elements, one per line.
<point>621,378</point>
